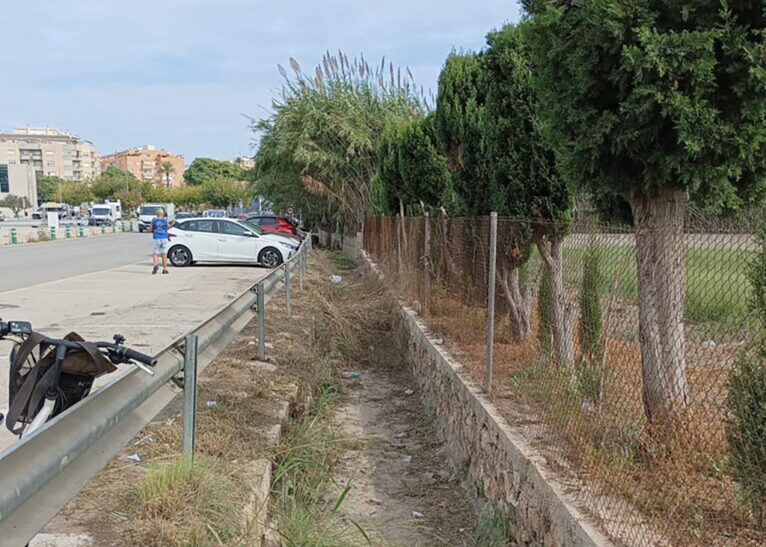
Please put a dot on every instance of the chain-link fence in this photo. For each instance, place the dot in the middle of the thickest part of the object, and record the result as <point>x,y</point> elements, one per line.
<point>613,351</point>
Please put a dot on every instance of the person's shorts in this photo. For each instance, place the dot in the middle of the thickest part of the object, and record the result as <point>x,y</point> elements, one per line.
<point>160,246</point>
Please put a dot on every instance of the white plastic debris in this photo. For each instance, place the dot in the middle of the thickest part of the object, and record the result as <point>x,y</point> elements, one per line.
<point>212,404</point>
<point>335,279</point>
<point>407,458</point>
<point>417,514</point>
<point>134,458</point>
<point>409,391</point>
<point>708,344</point>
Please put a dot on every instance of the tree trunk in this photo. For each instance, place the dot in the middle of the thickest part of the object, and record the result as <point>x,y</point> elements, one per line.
<point>519,303</point>
<point>659,220</point>
<point>404,230</point>
<point>561,318</point>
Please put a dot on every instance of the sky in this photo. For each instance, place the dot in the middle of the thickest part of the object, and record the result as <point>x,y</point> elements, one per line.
<point>180,74</point>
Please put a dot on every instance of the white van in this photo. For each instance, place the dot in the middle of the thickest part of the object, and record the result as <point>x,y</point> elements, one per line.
<point>147,211</point>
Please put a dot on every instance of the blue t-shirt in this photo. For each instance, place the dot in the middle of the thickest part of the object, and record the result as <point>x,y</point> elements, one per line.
<point>160,228</point>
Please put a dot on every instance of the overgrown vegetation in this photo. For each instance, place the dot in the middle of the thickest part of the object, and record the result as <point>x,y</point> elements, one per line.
<point>199,501</point>
<point>746,427</point>
<point>303,480</point>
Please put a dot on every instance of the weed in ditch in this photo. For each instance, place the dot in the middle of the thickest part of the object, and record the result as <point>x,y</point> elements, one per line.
<point>302,483</point>
<point>191,503</point>
<point>492,528</point>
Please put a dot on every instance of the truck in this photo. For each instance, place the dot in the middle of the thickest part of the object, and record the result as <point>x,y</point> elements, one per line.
<point>61,209</point>
<point>106,213</point>
<point>147,211</point>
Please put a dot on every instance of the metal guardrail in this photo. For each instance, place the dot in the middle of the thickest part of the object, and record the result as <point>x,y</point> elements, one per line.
<point>42,472</point>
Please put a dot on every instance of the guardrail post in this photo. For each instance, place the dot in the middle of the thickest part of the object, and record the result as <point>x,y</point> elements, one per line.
<point>261,305</point>
<point>190,395</point>
<point>491,298</point>
<point>287,289</point>
<point>82,231</point>
<point>53,232</point>
<point>301,268</point>
<point>68,231</point>
<point>103,229</point>
<point>14,236</point>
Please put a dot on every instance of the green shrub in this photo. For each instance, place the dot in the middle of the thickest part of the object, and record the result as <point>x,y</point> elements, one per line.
<point>746,427</point>
<point>590,306</point>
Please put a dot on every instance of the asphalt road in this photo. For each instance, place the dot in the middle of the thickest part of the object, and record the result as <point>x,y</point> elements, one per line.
<point>35,263</point>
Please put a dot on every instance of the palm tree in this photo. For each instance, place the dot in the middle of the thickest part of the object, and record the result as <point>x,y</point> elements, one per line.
<point>167,169</point>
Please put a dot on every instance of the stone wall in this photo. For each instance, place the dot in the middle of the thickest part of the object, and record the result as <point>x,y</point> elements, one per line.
<point>499,463</point>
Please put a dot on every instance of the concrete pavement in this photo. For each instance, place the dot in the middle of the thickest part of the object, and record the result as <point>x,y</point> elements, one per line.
<point>149,310</point>
<point>25,265</point>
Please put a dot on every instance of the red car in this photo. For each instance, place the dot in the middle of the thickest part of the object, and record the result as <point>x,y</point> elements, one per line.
<point>274,224</point>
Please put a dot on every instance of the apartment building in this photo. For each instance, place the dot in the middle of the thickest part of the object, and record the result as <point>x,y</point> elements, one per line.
<point>50,152</point>
<point>18,180</point>
<point>147,163</point>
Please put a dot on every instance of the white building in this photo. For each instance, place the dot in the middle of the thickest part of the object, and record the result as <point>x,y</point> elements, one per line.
<point>50,152</point>
<point>18,180</point>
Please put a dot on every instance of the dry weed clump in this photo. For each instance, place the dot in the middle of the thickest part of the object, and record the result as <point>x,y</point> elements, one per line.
<point>189,503</point>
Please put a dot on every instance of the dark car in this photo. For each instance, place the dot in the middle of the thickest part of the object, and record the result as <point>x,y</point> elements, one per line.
<point>274,224</point>
<point>183,214</point>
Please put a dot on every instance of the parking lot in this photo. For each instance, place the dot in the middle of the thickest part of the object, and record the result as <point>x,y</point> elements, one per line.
<point>101,287</point>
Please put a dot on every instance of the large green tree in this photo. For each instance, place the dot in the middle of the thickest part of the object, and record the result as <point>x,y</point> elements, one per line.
<point>114,180</point>
<point>525,183</point>
<point>411,170</point>
<point>322,139</point>
<point>203,170</point>
<point>223,192</point>
<point>459,122</point>
<point>47,188</point>
<point>656,102</point>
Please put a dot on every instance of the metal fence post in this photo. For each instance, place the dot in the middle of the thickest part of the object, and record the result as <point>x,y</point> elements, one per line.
<point>53,232</point>
<point>68,230</point>
<point>427,265</point>
<point>288,304</point>
<point>491,298</point>
<point>301,269</point>
<point>190,395</point>
<point>14,236</point>
<point>261,305</point>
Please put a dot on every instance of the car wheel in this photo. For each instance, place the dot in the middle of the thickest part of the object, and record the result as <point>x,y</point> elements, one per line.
<point>270,257</point>
<point>180,256</point>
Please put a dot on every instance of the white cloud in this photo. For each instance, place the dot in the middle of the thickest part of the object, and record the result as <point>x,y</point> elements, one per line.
<point>178,73</point>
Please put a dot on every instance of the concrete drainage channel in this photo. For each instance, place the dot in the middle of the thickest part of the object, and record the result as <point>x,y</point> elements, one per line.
<point>497,461</point>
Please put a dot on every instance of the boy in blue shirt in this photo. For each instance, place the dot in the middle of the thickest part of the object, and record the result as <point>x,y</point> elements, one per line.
<point>159,230</point>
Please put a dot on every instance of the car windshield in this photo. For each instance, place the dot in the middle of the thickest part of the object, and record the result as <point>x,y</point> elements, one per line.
<point>100,211</point>
<point>149,210</point>
<point>253,226</point>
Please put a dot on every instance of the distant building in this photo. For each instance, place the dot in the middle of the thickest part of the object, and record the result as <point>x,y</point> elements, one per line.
<point>50,152</point>
<point>147,164</point>
<point>18,180</point>
<point>245,162</point>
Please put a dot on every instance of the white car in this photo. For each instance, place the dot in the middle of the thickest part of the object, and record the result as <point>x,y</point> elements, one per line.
<point>225,240</point>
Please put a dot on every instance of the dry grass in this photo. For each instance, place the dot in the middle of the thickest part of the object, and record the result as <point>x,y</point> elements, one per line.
<point>324,335</point>
<point>189,503</point>
<point>677,482</point>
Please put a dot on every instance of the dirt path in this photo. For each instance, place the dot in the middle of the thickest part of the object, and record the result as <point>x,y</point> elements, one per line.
<point>402,489</point>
